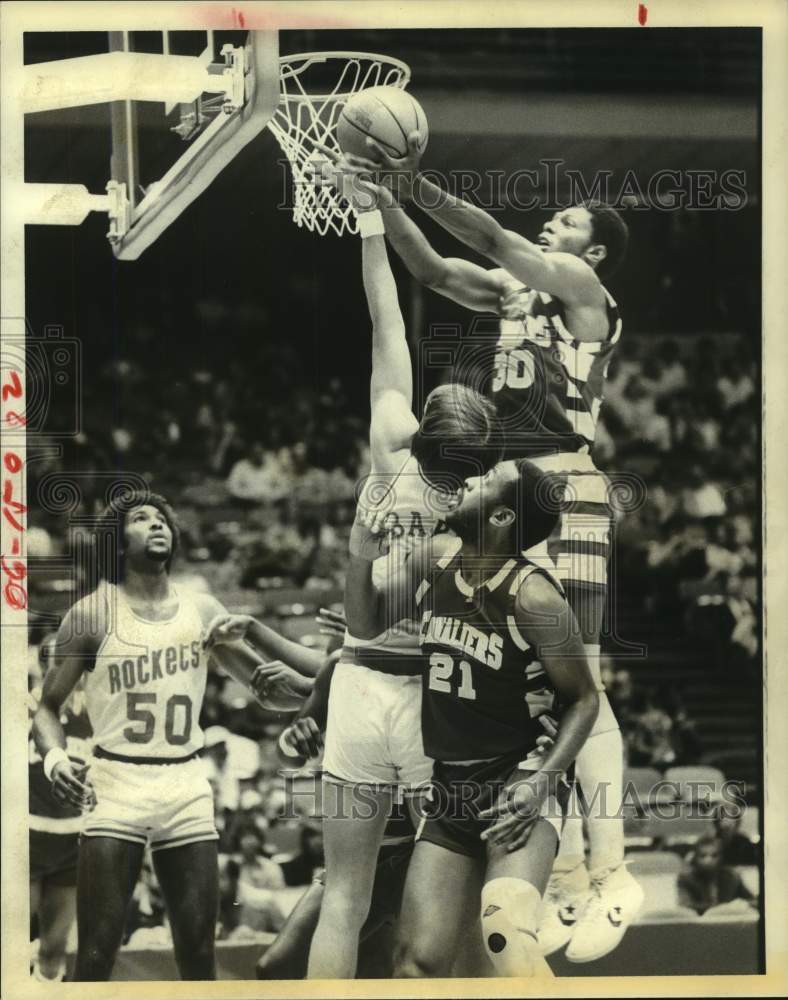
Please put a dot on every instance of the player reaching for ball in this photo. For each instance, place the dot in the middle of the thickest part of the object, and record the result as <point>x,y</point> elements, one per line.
<point>377,750</point>
<point>500,643</point>
<point>559,327</point>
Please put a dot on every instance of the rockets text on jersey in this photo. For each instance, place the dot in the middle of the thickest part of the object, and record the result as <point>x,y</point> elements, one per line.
<point>145,692</point>
<point>548,387</point>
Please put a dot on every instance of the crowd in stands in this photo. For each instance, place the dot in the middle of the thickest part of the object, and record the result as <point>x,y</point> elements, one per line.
<point>268,500</point>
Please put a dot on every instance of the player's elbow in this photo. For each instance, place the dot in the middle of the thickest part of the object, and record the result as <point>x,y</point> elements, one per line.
<point>588,705</point>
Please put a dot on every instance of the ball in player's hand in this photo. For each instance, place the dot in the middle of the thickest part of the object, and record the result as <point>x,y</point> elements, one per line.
<point>386,114</point>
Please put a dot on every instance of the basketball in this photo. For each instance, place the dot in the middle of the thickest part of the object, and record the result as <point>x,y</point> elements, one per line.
<point>386,114</point>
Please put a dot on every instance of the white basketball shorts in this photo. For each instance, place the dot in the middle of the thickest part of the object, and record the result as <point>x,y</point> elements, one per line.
<point>373,733</point>
<point>164,805</point>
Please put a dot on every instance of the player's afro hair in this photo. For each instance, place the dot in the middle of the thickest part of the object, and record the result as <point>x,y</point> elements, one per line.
<point>609,229</point>
<point>111,528</point>
<point>458,436</point>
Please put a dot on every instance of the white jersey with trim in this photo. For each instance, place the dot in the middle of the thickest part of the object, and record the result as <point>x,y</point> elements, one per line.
<point>145,691</point>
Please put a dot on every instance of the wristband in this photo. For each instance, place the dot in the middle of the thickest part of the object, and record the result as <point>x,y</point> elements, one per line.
<point>53,756</point>
<point>285,747</point>
<point>371,224</point>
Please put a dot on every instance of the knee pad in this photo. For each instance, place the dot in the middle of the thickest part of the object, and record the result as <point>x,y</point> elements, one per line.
<point>510,914</point>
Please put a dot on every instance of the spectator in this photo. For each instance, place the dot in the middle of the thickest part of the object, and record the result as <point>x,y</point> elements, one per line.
<point>257,478</point>
<point>301,867</point>
<point>735,385</point>
<point>736,848</point>
<point>705,882</point>
<point>702,498</point>
<point>650,739</point>
<point>216,755</point>
<point>256,869</point>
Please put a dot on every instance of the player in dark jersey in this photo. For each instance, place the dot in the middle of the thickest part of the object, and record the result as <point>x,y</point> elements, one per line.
<point>54,835</point>
<point>501,646</point>
<point>556,332</point>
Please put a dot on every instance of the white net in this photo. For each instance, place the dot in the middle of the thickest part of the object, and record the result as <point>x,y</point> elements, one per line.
<point>315,86</point>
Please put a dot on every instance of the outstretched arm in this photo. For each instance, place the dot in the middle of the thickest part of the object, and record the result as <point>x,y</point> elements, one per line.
<point>276,686</point>
<point>459,280</point>
<point>557,273</point>
<point>391,387</point>
<point>265,641</point>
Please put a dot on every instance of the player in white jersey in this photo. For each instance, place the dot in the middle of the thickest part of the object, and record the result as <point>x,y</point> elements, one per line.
<point>373,732</point>
<point>136,643</point>
<point>558,329</point>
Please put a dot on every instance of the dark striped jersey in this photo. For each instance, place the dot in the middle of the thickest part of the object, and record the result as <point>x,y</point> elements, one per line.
<point>484,687</point>
<point>547,386</point>
<point>42,805</point>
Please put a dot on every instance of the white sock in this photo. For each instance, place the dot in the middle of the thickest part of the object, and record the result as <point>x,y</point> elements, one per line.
<point>571,850</point>
<point>599,770</point>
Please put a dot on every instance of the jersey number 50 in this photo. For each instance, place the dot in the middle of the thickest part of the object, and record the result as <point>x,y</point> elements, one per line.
<point>134,713</point>
<point>441,670</point>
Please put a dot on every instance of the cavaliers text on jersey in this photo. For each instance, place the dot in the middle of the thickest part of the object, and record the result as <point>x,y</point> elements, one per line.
<point>484,686</point>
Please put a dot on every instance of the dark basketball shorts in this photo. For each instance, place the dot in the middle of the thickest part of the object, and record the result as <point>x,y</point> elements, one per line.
<point>459,792</point>
<point>53,857</point>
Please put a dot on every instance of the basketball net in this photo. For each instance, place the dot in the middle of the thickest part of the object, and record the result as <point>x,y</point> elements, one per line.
<point>315,86</point>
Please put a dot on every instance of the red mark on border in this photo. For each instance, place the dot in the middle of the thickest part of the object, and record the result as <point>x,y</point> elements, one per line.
<point>642,14</point>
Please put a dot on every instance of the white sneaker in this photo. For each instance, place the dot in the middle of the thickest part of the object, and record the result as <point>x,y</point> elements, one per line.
<point>564,901</point>
<point>613,904</point>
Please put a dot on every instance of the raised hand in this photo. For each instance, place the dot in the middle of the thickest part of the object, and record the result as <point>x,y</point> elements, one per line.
<point>368,538</point>
<point>353,177</point>
<point>397,174</point>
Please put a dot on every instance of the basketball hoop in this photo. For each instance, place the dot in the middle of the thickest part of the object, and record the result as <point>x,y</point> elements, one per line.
<point>315,86</point>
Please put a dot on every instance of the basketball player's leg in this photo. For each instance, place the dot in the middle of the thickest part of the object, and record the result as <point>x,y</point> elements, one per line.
<point>287,955</point>
<point>512,902</point>
<point>583,564</point>
<point>57,911</point>
<point>189,878</point>
<point>354,818</point>
<point>106,875</point>
<point>36,888</point>
<point>438,893</point>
